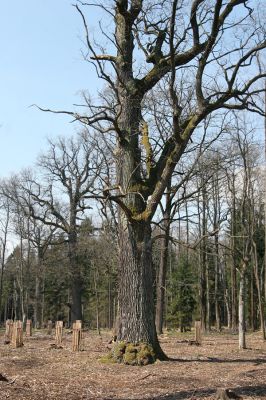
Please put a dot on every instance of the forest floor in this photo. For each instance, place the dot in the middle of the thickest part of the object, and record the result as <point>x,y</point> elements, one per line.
<point>39,372</point>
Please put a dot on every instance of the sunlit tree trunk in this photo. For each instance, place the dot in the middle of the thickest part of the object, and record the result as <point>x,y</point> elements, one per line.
<point>241,310</point>
<point>233,263</point>
<point>259,291</point>
<point>160,292</point>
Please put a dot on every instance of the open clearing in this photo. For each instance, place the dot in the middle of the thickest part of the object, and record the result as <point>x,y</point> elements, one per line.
<point>39,372</point>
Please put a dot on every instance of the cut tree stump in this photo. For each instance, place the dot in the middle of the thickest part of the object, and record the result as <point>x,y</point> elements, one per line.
<point>8,332</point>
<point>17,334</point>
<point>29,327</point>
<point>198,336</point>
<point>226,394</point>
<point>58,332</point>
<point>77,336</point>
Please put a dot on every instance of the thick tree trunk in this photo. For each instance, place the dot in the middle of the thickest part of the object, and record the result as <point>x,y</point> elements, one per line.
<point>136,300</point>
<point>136,286</point>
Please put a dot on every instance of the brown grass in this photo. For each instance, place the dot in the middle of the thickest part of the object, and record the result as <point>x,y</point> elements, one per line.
<point>39,372</point>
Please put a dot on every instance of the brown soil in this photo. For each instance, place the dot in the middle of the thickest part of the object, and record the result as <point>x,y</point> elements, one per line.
<point>39,372</point>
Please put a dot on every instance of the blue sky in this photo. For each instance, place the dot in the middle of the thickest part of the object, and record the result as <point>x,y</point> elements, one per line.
<point>41,63</point>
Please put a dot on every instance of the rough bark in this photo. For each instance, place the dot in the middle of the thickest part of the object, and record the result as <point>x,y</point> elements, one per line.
<point>135,295</point>
<point>136,303</point>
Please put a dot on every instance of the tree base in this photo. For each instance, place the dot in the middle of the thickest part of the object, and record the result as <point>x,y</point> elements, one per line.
<point>133,354</point>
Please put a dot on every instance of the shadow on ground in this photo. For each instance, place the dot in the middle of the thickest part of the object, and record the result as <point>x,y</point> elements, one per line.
<point>254,391</point>
<point>256,361</point>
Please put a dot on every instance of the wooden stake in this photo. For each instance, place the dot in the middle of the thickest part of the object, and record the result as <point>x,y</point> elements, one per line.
<point>29,327</point>
<point>17,334</point>
<point>9,329</point>
<point>77,336</point>
<point>49,327</point>
<point>58,332</point>
<point>198,338</point>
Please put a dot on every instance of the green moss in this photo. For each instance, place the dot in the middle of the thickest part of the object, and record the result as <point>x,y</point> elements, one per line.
<point>147,145</point>
<point>108,359</point>
<point>130,356</point>
<point>145,354</point>
<point>119,351</point>
<point>144,216</point>
<point>139,187</point>
<point>132,208</point>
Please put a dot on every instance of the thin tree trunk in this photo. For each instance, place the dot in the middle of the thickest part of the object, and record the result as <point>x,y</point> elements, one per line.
<point>160,293</point>
<point>208,302</point>
<point>217,286</point>
<point>203,265</point>
<point>97,301</point>
<point>3,255</point>
<point>233,266</point>
<point>15,301</point>
<point>160,298</point>
<point>252,322</point>
<point>260,299</point>
<point>38,300</point>
<point>265,194</point>
<point>1,282</point>
<point>216,218</point>
<point>43,300</point>
<point>241,312</point>
<point>110,302</point>
<point>228,309</point>
<point>21,284</point>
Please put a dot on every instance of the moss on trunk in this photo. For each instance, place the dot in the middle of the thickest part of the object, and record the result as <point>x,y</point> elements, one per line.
<point>130,354</point>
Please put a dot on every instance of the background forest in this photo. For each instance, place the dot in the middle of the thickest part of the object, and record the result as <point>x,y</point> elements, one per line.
<point>215,202</point>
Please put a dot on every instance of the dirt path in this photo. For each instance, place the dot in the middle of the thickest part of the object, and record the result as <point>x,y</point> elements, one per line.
<point>37,372</point>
